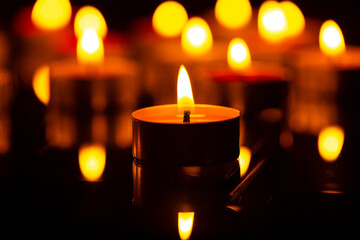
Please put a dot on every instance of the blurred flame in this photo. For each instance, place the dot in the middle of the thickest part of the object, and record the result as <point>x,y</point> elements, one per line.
<point>272,22</point>
<point>244,160</point>
<point>185,224</point>
<point>196,37</point>
<point>41,84</point>
<point>184,92</point>
<point>331,39</point>
<point>92,158</point>
<point>90,48</point>
<point>51,14</point>
<point>238,55</point>
<point>169,19</point>
<point>330,142</point>
<point>233,14</point>
<point>90,17</point>
<point>295,18</point>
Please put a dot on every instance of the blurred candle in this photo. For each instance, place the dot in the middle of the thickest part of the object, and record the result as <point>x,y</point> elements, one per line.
<point>331,39</point>
<point>90,17</point>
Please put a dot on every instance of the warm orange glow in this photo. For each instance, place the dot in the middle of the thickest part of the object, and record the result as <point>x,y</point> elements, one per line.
<point>238,55</point>
<point>233,13</point>
<point>92,158</point>
<point>272,22</point>
<point>331,39</point>
<point>196,37</point>
<point>51,14</point>
<point>294,17</point>
<point>41,84</point>
<point>185,224</point>
<point>244,160</point>
<point>90,48</point>
<point>169,19</point>
<point>330,142</point>
<point>90,17</point>
<point>184,92</point>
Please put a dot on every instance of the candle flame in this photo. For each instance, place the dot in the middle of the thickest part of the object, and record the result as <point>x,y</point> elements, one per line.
<point>89,17</point>
<point>238,54</point>
<point>233,14</point>
<point>51,14</point>
<point>92,158</point>
<point>196,38</point>
<point>271,21</point>
<point>330,142</point>
<point>90,48</point>
<point>294,17</point>
<point>331,39</point>
<point>244,160</point>
<point>184,92</point>
<point>185,224</point>
<point>169,19</point>
<point>41,84</point>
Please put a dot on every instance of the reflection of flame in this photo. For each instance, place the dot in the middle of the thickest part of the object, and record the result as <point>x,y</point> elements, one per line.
<point>331,39</point>
<point>233,13</point>
<point>90,48</point>
<point>185,224</point>
<point>51,14</point>
<point>238,55</point>
<point>330,142</point>
<point>196,37</point>
<point>90,17</point>
<point>92,158</point>
<point>184,92</point>
<point>41,84</point>
<point>244,160</point>
<point>169,19</point>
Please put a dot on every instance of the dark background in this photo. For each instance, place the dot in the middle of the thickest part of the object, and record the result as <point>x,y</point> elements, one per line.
<point>119,14</point>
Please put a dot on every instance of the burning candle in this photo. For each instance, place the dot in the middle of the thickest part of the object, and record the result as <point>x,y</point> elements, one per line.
<point>205,126</point>
<point>93,85</point>
<point>324,91</point>
<point>92,159</point>
<point>176,141</point>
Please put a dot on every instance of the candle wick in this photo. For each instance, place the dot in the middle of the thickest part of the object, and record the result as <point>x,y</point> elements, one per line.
<point>186,118</point>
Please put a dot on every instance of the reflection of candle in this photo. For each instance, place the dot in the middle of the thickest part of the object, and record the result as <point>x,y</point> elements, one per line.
<point>330,142</point>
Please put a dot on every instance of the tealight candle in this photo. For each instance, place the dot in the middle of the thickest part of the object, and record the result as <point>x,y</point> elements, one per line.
<point>176,145</point>
<point>210,136</point>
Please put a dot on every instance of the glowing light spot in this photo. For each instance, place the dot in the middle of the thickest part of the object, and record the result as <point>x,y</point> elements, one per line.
<point>51,14</point>
<point>41,84</point>
<point>272,22</point>
<point>238,55</point>
<point>185,224</point>
<point>92,158</point>
<point>89,17</point>
<point>169,19</point>
<point>244,160</point>
<point>330,142</point>
<point>331,39</point>
<point>233,13</point>
<point>196,37</point>
<point>90,48</point>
